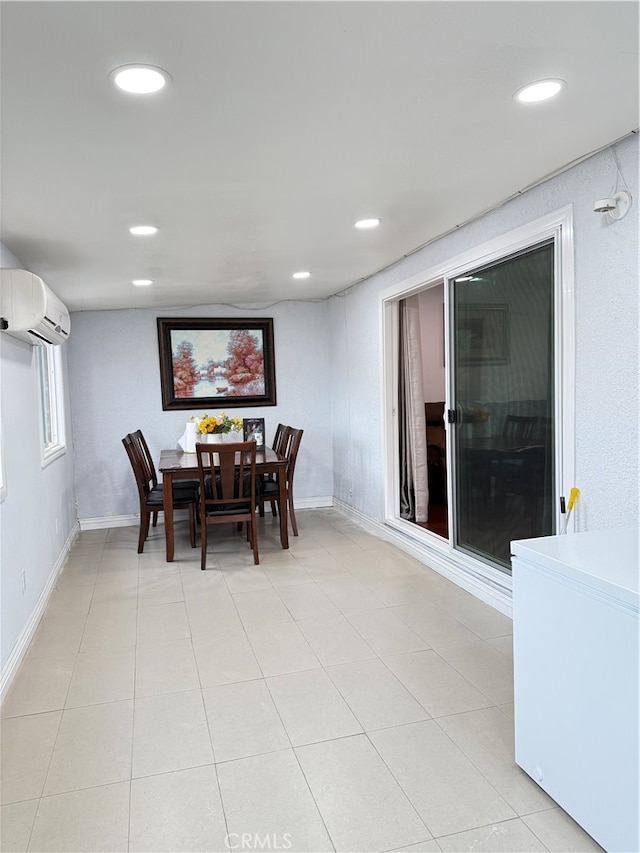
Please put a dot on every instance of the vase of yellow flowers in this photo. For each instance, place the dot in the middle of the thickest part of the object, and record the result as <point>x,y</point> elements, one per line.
<point>216,429</point>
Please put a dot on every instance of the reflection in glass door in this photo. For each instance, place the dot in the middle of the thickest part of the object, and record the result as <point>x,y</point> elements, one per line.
<point>503,418</point>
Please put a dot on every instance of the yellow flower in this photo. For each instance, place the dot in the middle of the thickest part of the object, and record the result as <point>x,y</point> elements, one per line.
<point>220,423</point>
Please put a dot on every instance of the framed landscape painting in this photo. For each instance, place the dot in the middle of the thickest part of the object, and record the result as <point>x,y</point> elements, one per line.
<point>222,363</point>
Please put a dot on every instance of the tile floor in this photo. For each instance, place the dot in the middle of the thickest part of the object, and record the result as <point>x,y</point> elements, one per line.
<point>339,696</point>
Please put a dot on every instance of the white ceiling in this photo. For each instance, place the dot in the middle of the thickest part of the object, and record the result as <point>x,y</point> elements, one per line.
<point>285,123</point>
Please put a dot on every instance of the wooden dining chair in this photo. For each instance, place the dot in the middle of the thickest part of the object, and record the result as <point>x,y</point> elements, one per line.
<point>180,487</point>
<point>151,496</point>
<point>227,490</point>
<point>278,441</point>
<point>269,488</point>
<point>278,438</point>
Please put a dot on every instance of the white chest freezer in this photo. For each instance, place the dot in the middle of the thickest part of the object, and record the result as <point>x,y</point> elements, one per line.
<point>576,650</point>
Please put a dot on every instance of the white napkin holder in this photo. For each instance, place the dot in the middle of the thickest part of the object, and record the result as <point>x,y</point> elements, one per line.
<point>187,441</point>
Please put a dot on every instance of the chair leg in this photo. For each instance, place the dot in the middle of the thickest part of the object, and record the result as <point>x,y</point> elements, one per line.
<point>274,511</point>
<point>252,530</point>
<point>261,510</point>
<point>203,545</point>
<point>144,530</point>
<point>155,519</point>
<point>192,524</point>
<point>292,513</point>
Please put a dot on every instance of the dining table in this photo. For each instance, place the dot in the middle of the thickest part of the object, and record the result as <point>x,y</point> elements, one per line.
<point>175,464</point>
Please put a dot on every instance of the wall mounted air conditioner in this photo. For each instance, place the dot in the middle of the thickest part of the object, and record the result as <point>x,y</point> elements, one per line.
<point>30,311</point>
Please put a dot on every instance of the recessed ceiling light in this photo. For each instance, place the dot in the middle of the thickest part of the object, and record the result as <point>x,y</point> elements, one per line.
<point>140,79</point>
<point>367,223</point>
<point>143,230</point>
<point>540,91</point>
<point>301,274</point>
<point>142,282</point>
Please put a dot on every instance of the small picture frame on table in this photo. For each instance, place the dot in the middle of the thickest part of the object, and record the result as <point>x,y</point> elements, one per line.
<point>253,430</point>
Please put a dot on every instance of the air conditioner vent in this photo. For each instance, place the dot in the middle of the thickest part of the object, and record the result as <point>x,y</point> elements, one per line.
<point>30,310</point>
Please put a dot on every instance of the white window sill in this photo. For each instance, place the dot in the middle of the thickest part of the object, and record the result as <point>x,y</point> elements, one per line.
<point>52,452</point>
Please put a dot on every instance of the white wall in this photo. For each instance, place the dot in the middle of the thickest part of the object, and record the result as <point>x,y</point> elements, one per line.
<point>606,300</point>
<point>115,389</point>
<point>355,394</point>
<point>35,498</point>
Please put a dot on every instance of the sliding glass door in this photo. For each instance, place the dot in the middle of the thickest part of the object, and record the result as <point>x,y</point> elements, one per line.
<point>502,403</point>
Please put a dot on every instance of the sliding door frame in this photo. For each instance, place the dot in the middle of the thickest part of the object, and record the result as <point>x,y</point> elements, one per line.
<point>474,574</point>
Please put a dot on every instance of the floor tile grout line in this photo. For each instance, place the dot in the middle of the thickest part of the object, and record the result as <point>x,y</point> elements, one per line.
<point>313,797</point>
<point>540,812</point>
<point>133,734</point>
<point>361,724</point>
<point>409,691</point>
<point>445,661</point>
<point>79,790</point>
<point>473,763</point>
<point>451,616</point>
<point>215,764</point>
<point>398,783</point>
<point>246,634</point>
<point>255,653</point>
<point>62,710</point>
<point>487,825</point>
<point>385,607</point>
<point>479,689</point>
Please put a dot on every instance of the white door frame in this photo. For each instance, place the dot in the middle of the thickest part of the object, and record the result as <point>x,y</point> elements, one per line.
<point>487,581</point>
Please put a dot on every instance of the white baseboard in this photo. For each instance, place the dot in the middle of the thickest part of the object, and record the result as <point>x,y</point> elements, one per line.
<point>102,521</point>
<point>313,503</point>
<point>26,635</point>
<point>497,597</point>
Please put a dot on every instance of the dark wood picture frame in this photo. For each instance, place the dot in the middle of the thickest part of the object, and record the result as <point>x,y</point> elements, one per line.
<point>231,358</point>
<point>253,430</point>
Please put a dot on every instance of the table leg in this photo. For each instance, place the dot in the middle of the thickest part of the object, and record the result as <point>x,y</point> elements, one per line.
<point>284,517</point>
<point>167,505</point>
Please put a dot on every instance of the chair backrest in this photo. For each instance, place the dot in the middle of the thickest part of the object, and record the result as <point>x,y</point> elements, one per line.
<point>291,445</point>
<point>145,456</point>
<point>521,427</point>
<point>227,477</point>
<point>137,463</point>
<point>278,438</point>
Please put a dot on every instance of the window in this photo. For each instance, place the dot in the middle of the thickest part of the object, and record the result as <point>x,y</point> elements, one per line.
<point>51,402</point>
<point>3,484</point>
